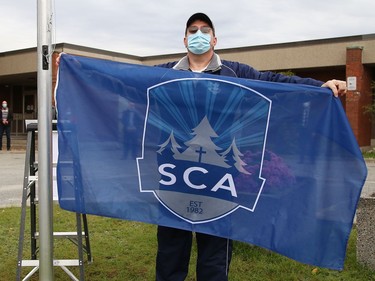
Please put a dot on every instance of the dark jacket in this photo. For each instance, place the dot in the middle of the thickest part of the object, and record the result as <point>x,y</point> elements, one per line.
<point>240,70</point>
<point>9,119</point>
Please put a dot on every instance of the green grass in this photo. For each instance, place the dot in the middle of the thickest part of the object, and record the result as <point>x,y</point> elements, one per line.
<point>369,154</point>
<point>125,250</point>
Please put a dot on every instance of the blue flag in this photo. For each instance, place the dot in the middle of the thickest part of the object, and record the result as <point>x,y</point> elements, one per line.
<point>271,164</point>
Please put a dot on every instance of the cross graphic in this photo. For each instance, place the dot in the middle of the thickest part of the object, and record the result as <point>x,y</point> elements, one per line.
<point>200,151</point>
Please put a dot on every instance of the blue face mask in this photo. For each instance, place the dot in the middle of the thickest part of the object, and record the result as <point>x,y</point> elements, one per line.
<point>199,43</point>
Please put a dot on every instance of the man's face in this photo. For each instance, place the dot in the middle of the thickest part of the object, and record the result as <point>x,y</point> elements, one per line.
<point>203,27</point>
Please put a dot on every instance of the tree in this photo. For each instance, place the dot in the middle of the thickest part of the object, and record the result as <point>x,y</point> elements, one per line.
<point>172,143</point>
<point>201,148</point>
<point>370,109</point>
<point>234,153</point>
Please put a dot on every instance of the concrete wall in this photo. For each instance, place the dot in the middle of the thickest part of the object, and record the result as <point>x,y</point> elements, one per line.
<point>366,232</point>
<point>18,62</point>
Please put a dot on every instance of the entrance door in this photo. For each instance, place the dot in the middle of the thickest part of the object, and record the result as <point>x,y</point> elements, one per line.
<point>29,106</point>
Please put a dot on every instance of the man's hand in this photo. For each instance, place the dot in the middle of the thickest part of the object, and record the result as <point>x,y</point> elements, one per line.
<point>338,87</point>
<point>57,62</point>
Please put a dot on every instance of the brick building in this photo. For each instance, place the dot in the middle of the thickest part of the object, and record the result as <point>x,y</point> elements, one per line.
<point>347,58</point>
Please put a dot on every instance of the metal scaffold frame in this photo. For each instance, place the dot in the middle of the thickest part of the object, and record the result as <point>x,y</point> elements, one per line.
<point>80,237</point>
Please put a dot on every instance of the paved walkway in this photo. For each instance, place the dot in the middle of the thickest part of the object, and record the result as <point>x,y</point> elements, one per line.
<point>369,188</point>
<point>12,168</point>
<point>11,177</point>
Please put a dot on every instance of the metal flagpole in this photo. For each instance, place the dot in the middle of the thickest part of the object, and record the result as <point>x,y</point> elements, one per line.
<point>45,140</point>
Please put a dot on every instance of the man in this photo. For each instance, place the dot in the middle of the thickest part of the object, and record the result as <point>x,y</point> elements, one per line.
<point>5,124</point>
<point>174,245</point>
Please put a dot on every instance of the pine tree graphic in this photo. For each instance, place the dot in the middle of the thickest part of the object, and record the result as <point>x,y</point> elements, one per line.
<point>172,143</point>
<point>202,149</point>
<point>234,153</point>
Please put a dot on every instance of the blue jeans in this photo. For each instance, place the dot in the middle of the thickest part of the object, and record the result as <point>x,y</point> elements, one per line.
<point>5,129</point>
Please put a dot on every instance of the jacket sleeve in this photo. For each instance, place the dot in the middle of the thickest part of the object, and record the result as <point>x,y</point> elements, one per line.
<point>246,71</point>
<point>167,65</point>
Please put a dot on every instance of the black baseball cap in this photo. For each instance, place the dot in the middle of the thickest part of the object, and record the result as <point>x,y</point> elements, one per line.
<point>202,17</point>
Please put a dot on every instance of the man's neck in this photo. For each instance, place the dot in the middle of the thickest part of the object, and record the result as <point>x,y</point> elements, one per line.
<point>199,62</point>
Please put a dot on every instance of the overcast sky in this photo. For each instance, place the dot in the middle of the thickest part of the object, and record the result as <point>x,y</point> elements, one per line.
<point>156,27</point>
